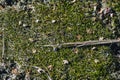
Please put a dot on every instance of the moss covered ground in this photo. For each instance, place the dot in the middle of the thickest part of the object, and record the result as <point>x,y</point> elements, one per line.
<point>25,31</point>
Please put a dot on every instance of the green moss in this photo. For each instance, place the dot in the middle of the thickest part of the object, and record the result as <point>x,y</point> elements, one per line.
<point>70,21</point>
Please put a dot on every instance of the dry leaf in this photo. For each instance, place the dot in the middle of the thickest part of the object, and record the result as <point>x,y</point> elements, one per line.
<point>93,48</point>
<point>89,31</point>
<point>101,38</point>
<point>96,60</point>
<point>75,50</point>
<point>31,39</point>
<point>69,28</point>
<point>20,22</point>
<point>93,18</point>
<point>65,62</point>
<point>1,8</point>
<point>33,50</point>
<point>14,71</point>
<point>79,37</point>
<point>50,67</point>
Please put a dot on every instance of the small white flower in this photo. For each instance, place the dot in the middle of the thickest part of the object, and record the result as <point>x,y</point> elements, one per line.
<point>65,62</point>
<point>53,21</point>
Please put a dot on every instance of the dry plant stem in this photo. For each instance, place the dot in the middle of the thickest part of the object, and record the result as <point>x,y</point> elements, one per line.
<point>3,43</point>
<point>82,44</point>
<point>47,73</point>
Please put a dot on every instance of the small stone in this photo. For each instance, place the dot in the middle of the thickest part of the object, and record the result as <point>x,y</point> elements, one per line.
<point>53,21</point>
<point>65,62</point>
<point>24,25</point>
<point>37,20</point>
<point>111,15</point>
<point>96,60</point>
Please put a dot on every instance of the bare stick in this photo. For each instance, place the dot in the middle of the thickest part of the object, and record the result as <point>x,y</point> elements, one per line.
<point>3,43</point>
<point>85,43</point>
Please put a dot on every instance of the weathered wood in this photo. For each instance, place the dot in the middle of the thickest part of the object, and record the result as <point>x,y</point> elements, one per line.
<point>82,44</point>
<point>3,44</point>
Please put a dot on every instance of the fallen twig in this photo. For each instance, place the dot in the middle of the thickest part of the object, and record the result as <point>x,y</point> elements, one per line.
<point>81,44</point>
<point>3,43</point>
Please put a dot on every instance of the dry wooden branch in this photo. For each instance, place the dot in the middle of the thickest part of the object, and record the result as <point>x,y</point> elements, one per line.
<point>85,43</point>
<point>3,43</point>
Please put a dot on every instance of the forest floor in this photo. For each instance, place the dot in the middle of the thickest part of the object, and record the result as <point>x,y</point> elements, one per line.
<point>27,28</point>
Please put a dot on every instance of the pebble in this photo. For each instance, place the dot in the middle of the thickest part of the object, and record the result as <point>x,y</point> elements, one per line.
<point>53,21</point>
<point>37,20</point>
